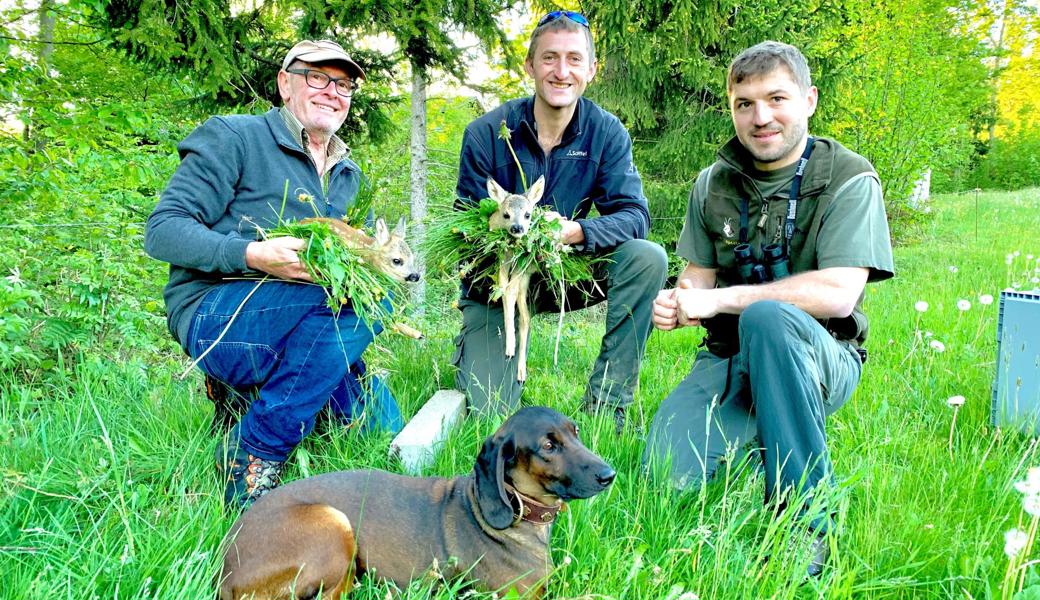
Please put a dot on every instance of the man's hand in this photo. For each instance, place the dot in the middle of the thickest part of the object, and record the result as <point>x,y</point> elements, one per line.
<point>667,315</point>
<point>571,232</point>
<point>278,257</point>
<point>695,304</point>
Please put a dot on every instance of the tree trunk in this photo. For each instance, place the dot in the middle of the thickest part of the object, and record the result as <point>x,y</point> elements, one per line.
<point>418,177</point>
<point>45,49</point>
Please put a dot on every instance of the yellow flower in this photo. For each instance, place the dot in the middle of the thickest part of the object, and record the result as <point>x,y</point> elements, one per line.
<point>343,300</point>
<point>304,197</point>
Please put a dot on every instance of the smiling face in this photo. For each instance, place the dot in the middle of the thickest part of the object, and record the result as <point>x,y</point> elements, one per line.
<point>771,117</point>
<point>319,111</point>
<point>561,69</point>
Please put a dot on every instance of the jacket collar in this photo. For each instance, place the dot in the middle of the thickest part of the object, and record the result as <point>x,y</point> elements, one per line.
<point>522,117</point>
<point>291,140</point>
<point>817,171</point>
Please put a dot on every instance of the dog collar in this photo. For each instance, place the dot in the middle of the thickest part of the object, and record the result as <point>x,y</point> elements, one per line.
<point>528,509</point>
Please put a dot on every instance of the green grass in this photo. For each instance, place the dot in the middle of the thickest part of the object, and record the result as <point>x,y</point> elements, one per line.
<point>108,488</point>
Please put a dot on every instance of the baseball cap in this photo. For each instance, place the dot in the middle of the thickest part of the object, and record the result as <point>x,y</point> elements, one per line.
<point>323,51</point>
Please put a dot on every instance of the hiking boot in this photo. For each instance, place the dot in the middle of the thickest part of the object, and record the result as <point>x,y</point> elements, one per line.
<point>228,404</point>
<point>819,553</point>
<point>246,478</point>
<point>617,412</point>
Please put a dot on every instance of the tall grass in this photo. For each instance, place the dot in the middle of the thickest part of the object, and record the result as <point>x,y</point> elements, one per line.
<point>109,492</point>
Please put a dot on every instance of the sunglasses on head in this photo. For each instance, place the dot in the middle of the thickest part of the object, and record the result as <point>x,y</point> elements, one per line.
<point>559,14</point>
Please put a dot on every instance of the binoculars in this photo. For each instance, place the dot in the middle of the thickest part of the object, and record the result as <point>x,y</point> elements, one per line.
<point>772,267</point>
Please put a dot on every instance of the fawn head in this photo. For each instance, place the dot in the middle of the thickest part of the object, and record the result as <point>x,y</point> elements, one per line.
<point>390,252</point>
<point>514,210</point>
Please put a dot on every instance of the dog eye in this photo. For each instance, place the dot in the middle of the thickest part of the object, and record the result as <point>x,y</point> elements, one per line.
<point>548,446</point>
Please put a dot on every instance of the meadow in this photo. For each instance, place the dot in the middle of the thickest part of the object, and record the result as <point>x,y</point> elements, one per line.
<point>109,490</point>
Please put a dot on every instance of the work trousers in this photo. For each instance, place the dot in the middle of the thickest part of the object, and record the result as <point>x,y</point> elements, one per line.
<point>771,398</point>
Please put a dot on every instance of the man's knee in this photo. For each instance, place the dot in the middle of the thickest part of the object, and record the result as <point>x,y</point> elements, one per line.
<point>772,320</point>
<point>641,258</point>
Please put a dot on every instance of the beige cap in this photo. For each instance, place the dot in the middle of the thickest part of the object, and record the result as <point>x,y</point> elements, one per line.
<point>322,51</point>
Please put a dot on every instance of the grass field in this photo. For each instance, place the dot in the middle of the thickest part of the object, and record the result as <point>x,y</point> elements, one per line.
<point>109,491</point>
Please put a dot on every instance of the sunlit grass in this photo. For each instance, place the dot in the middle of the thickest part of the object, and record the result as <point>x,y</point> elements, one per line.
<point>109,491</point>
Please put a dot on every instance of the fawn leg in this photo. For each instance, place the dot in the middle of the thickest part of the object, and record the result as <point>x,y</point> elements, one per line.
<point>525,325</point>
<point>508,307</point>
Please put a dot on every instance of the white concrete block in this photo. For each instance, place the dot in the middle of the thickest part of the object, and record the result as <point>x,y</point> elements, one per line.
<point>420,440</point>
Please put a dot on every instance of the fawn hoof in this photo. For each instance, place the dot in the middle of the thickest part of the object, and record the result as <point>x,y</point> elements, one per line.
<point>521,373</point>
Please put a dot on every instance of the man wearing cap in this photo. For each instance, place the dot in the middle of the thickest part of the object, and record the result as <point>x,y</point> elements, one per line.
<point>585,155</point>
<point>239,174</point>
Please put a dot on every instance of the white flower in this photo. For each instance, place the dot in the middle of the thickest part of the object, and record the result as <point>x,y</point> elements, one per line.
<point>963,305</point>
<point>1009,258</point>
<point>1015,541</point>
<point>927,334</point>
<point>986,299</point>
<point>937,346</point>
<point>1016,253</point>
<point>955,401</point>
<point>688,596</point>
<point>1035,280</point>
<point>1030,486</point>
<point>953,268</point>
<point>1031,504</point>
<point>921,306</point>
<point>1029,256</point>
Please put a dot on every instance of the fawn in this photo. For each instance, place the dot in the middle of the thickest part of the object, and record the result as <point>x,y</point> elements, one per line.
<point>387,252</point>
<point>514,215</point>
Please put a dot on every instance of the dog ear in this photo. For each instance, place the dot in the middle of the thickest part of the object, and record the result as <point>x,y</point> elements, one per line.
<point>401,229</point>
<point>495,191</point>
<point>489,473</point>
<point>382,233</point>
<point>534,193</point>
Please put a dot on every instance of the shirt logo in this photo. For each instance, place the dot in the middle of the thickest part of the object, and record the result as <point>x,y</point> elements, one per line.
<point>727,227</point>
<point>580,153</point>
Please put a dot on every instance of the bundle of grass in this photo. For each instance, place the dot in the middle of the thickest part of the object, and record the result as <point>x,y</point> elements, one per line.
<point>366,272</point>
<point>460,241</point>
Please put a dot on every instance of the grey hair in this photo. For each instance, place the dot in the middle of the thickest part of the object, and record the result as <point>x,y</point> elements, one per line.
<point>560,24</point>
<point>766,57</point>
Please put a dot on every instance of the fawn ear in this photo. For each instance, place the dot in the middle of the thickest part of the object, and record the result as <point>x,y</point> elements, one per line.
<point>534,193</point>
<point>382,233</point>
<point>401,229</point>
<point>495,191</point>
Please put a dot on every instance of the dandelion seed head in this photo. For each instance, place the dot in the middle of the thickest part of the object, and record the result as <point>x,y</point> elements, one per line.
<point>963,305</point>
<point>953,268</point>
<point>1016,253</point>
<point>955,401</point>
<point>986,299</point>
<point>1015,541</point>
<point>1031,504</point>
<point>927,334</point>
<point>937,346</point>
<point>1030,486</point>
<point>921,306</point>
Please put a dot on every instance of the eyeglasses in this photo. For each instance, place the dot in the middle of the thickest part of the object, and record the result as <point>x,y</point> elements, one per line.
<point>559,14</point>
<point>320,80</point>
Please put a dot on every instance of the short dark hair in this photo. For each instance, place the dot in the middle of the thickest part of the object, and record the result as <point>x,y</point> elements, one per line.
<point>560,24</point>
<point>766,57</point>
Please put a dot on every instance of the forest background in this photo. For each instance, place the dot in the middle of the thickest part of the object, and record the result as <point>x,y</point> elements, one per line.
<point>95,95</point>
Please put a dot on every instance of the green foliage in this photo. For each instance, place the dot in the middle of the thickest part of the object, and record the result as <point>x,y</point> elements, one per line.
<point>897,82</point>
<point>347,274</point>
<point>459,242</point>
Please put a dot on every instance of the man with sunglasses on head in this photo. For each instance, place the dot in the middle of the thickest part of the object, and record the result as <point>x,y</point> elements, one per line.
<point>782,233</point>
<point>585,155</point>
<point>277,343</point>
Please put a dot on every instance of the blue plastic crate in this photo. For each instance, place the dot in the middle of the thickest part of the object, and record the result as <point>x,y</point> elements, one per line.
<point>1016,390</point>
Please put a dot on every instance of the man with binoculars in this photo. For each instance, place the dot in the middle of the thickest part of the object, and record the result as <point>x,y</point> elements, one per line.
<point>782,233</point>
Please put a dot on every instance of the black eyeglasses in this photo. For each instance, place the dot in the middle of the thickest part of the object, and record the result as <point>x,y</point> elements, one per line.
<point>320,80</point>
<point>559,14</point>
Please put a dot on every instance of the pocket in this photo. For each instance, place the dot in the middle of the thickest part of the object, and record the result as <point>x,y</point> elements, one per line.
<point>238,364</point>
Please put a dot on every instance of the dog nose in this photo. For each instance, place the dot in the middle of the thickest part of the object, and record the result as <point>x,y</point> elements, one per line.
<point>412,277</point>
<point>606,476</point>
<point>516,229</point>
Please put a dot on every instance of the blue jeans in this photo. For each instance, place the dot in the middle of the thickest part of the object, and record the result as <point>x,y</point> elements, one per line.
<point>287,342</point>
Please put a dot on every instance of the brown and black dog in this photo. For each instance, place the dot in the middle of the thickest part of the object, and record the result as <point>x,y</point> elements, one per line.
<point>493,526</point>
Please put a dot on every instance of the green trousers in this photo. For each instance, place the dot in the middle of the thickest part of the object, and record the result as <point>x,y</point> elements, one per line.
<point>771,398</point>
<point>628,281</point>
